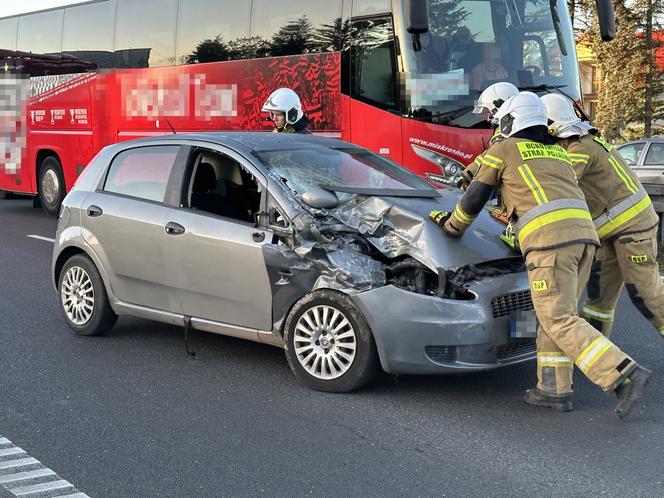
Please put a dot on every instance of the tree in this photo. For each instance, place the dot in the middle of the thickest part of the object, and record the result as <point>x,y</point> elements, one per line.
<point>334,37</point>
<point>254,47</point>
<point>296,37</point>
<point>211,50</point>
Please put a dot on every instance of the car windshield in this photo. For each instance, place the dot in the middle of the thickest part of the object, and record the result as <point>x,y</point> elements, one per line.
<point>475,43</point>
<point>343,169</point>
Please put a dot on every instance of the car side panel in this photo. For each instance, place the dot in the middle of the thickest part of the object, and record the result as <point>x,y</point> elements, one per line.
<point>130,238</point>
<point>217,270</point>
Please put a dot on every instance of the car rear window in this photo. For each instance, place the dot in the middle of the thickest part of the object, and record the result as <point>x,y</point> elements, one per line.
<point>142,172</point>
<point>655,154</point>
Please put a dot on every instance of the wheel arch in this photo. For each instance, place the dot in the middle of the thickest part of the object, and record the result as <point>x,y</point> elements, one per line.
<point>42,154</point>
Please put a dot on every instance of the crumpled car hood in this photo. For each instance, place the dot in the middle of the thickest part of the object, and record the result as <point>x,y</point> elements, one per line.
<point>399,226</point>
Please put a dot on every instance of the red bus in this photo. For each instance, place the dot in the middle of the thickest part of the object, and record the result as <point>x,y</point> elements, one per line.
<point>146,67</point>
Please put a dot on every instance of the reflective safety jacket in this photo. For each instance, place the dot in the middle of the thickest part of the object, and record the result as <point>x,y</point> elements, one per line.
<point>538,187</point>
<point>469,173</point>
<point>617,201</point>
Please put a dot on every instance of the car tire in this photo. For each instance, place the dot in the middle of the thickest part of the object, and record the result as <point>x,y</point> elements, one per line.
<point>51,185</point>
<point>325,332</point>
<point>83,299</point>
<point>3,194</point>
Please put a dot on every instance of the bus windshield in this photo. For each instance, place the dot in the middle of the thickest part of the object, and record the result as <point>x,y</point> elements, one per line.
<point>474,43</point>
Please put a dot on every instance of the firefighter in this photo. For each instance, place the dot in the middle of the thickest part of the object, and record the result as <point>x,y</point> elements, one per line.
<point>286,112</point>
<point>625,219</point>
<point>488,103</point>
<point>556,235</point>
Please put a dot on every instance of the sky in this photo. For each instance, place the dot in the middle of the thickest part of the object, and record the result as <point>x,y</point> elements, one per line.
<point>11,7</point>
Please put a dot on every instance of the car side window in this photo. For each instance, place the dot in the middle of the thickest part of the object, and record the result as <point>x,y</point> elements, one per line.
<point>632,152</point>
<point>142,172</point>
<point>655,154</point>
<point>220,185</point>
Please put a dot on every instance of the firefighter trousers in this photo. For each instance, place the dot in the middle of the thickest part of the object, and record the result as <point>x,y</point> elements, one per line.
<point>557,277</point>
<point>630,260</point>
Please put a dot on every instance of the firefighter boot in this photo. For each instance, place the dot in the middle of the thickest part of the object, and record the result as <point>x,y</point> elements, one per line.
<point>557,402</point>
<point>629,391</point>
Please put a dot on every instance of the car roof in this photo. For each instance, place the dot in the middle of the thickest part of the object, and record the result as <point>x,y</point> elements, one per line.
<point>251,141</point>
<point>656,138</point>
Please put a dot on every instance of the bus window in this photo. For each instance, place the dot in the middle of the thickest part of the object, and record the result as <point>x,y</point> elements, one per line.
<point>87,33</point>
<point>373,62</point>
<point>145,33</point>
<point>371,7</point>
<point>40,33</point>
<point>213,30</point>
<point>8,30</point>
<point>294,27</point>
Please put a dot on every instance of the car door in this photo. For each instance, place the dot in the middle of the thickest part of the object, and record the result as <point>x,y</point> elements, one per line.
<point>653,162</point>
<point>217,262</point>
<point>125,219</point>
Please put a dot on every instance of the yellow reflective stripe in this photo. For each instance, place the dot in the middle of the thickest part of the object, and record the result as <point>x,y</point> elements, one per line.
<point>551,353</point>
<point>555,364</point>
<point>593,353</point>
<point>579,158</point>
<point>608,311</point>
<point>623,174</point>
<point>532,184</point>
<point>623,217</point>
<point>548,218</point>
<point>541,190</point>
<point>553,360</point>
<point>495,160</point>
<point>660,329</point>
<point>462,216</point>
<point>484,162</point>
<point>592,312</point>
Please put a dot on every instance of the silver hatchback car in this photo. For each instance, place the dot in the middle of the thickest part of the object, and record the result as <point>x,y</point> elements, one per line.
<point>306,243</point>
<point>645,157</point>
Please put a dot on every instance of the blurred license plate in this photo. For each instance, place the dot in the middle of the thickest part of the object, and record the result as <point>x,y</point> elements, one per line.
<point>522,324</point>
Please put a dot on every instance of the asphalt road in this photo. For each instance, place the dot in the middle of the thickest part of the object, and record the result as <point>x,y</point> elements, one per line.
<point>130,415</point>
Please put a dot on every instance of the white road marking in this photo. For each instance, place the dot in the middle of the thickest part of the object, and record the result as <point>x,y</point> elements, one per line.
<point>10,451</point>
<point>39,237</point>
<point>21,475</point>
<point>41,488</point>
<point>26,476</point>
<point>22,462</point>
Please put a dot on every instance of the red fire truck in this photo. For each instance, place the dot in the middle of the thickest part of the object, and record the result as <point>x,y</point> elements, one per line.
<point>397,76</point>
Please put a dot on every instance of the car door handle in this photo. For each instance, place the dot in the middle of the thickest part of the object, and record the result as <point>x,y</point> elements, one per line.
<point>94,211</point>
<point>173,228</point>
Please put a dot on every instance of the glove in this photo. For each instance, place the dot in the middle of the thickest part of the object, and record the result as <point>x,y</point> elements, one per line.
<point>440,217</point>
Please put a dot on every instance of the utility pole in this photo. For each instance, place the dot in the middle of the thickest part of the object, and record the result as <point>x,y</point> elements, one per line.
<point>650,71</point>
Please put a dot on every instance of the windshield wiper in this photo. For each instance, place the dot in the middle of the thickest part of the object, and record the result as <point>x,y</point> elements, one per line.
<point>387,192</point>
<point>558,26</point>
<point>548,88</point>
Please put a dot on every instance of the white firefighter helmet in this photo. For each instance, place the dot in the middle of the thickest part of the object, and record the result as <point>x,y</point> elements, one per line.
<point>563,121</point>
<point>520,112</point>
<point>493,97</point>
<point>285,100</point>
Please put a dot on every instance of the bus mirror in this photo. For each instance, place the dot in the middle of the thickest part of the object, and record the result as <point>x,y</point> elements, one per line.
<point>607,19</point>
<point>417,16</point>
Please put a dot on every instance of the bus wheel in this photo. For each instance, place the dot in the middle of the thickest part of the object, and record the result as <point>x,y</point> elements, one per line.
<point>51,185</point>
<point>3,194</point>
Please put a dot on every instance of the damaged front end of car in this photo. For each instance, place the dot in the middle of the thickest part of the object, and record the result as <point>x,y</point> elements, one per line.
<point>435,304</point>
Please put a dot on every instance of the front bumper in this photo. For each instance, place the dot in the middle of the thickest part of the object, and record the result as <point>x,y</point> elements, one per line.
<point>418,334</point>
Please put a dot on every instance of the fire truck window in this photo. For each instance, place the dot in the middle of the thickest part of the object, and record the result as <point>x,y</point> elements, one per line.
<point>40,33</point>
<point>145,33</point>
<point>88,33</point>
<point>8,30</point>
<point>214,30</point>
<point>373,73</point>
<point>371,7</point>
<point>293,27</point>
<point>142,172</point>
